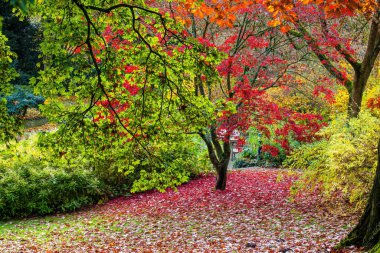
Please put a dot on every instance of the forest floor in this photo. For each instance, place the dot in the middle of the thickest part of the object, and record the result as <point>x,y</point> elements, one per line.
<point>254,214</point>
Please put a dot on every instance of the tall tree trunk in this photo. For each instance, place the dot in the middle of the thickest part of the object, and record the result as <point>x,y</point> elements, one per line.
<point>221,178</point>
<point>219,156</point>
<point>363,70</point>
<point>221,170</point>
<point>367,231</point>
<point>356,95</point>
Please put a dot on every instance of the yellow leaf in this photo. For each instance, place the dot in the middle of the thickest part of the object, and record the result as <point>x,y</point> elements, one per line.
<point>274,22</point>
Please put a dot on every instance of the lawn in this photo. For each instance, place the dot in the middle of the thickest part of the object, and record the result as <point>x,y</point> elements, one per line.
<point>254,214</point>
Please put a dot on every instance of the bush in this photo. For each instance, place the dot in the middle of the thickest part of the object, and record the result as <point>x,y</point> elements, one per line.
<point>9,126</point>
<point>181,160</point>
<point>20,100</point>
<point>29,186</point>
<point>344,161</point>
<point>32,189</point>
<point>160,163</point>
<point>40,176</point>
<point>250,158</point>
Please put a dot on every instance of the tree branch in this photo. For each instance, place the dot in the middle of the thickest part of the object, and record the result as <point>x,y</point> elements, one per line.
<point>347,56</point>
<point>323,58</point>
<point>373,46</point>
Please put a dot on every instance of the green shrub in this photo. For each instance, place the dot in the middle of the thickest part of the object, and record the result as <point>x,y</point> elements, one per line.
<point>9,126</point>
<point>248,158</point>
<point>30,186</point>
<point>344,160</point>
<point>31,189</point>
<point>40,175</point>
<point>160,163</point>
<point>181,160</point>
<point>20,100</point>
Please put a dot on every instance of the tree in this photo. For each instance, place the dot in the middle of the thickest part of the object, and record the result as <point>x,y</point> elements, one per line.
<point>326,42</point>
<point>23,39</point>
<point>324,33</point>
<point>140,73</point>
<point>366,233</point>
<point>125,73</point>
<point>255,63</point>
<point>9,126</point>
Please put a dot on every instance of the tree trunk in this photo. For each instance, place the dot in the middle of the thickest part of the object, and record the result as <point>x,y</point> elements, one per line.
<point>356,95</point>
<point>367,231</point>
<point>221,170</point>
<point>363,70</point>
<point>221,178</point>
<point>219,156</point>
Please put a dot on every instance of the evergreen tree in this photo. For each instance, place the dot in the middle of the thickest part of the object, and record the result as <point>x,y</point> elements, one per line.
<point>24,38</point>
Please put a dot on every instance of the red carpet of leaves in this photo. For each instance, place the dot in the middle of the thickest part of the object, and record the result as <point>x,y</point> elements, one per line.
<point>252,215</point>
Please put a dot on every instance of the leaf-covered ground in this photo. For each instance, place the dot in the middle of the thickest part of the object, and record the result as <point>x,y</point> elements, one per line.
<point>254,214</point>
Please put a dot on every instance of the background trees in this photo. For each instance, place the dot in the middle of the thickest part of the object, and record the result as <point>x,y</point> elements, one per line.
<point>8,124</point>
<point>333,39</point>
<point>19,56</point>
<point>23,38</point>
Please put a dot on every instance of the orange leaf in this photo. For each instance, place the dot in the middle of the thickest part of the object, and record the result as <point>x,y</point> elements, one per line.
<point>285,28</point>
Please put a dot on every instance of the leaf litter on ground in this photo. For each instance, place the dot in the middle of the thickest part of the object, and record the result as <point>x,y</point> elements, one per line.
<point>254,214</point>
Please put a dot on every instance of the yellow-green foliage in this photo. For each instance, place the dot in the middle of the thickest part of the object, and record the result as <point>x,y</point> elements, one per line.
<point>341,98</point>
<point>344,160</point>
<point>372,91</point>
<point>32,184</point>
<point>181,160</point>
